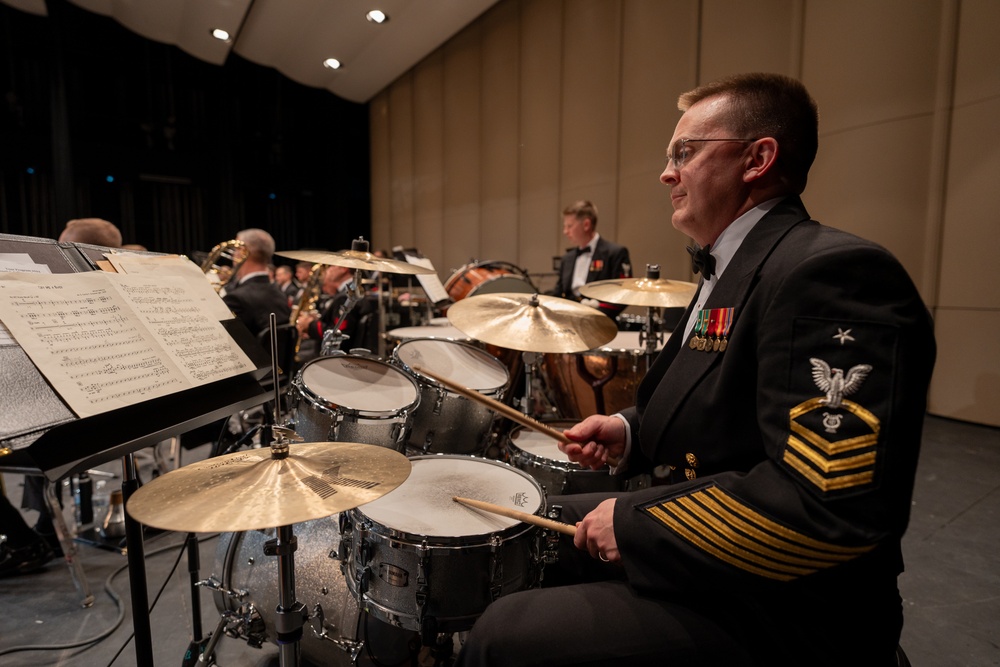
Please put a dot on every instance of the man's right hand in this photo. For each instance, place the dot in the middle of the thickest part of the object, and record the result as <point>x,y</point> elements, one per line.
<point>596,439</point>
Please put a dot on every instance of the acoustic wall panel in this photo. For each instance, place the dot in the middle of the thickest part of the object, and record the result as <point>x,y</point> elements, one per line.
<point>428,157</point>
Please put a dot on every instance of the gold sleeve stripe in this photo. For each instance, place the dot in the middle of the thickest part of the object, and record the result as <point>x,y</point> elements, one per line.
<point>755,535</point>
<point>832,448</point>
<point>728,538</point>
<point>828,466</point>
<point>716,523</point>
<point>827,483</point>
<point>696,541</point>
<point>759,520</point>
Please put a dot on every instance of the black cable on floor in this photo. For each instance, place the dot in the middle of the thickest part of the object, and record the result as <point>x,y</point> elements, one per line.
<point>93,641</point>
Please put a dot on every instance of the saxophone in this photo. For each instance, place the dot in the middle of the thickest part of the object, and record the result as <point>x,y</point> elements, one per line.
<point>310,293</point>
<point>234,252</point>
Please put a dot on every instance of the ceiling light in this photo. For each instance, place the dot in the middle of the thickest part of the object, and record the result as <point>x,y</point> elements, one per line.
<point>376,16</point>
<point>220,35</point>
<point>331,63</point>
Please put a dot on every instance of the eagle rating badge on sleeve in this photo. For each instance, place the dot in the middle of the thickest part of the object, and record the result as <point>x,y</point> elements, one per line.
<point>833,442</point>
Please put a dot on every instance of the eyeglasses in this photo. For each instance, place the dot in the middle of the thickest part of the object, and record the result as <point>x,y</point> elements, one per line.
<point>681,152</point>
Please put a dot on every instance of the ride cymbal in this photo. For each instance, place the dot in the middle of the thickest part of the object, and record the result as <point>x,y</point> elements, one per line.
<point>532,322</point>
<point>649,292</point>
<point>252,489</point>
<point>355,259</point>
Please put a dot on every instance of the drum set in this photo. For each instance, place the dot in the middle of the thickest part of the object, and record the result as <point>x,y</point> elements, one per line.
<point>370,462</point>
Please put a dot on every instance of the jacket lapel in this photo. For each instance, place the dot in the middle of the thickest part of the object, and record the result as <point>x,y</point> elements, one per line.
<point>687,367</point>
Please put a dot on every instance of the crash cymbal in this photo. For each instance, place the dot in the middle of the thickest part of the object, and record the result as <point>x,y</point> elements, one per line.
<point>649,292</point>
<point>252,489</point>
<point>355,259</point>
<point>532,322</point>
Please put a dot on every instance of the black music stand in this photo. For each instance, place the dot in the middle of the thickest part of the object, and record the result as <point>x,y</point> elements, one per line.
<point>40,435</point>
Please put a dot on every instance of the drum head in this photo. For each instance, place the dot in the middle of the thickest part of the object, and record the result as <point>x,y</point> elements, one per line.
<point>462,364</point>
<point>359,383</point>
<point>540,445</point>
<point>423,505</point>
<point>628,341</point>
<point>448,332</point>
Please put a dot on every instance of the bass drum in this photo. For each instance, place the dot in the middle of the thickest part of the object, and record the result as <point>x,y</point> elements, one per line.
<point>488,278</point>
<point>240,564</point>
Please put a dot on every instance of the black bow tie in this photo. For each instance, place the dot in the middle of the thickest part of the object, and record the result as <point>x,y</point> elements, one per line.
<point>702,261</point>
<point>582,251</point>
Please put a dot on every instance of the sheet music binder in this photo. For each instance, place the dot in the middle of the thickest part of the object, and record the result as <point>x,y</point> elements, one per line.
<point>42,433</point>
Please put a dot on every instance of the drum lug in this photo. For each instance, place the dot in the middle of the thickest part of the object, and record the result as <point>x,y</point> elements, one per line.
<point>439,400</point>
<point>423,575</point>
<point>335,427</point>
<point>496,567</point>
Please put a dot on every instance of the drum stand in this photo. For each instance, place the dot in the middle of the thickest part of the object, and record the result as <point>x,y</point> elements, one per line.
<point>531,361</point>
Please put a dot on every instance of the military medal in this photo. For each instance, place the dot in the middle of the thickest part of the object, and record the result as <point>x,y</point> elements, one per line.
<point>712,330</point>
<point>698,340</point>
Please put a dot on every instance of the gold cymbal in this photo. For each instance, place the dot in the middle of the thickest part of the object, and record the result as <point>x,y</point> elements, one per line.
<point>649,292</point>
<point>355,259</point>
<point>251,489</point>
<point>532,322</point>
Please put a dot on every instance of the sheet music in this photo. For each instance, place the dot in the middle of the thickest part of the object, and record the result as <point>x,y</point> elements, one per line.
<point>199,287</point>
<point>105,341</point>
<point>17,261</point>
<point>433,288</point>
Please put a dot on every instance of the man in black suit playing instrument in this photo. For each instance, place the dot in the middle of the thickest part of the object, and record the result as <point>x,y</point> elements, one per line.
<point>591,258</point>
<point>787,412</point>
<point>250,294</point>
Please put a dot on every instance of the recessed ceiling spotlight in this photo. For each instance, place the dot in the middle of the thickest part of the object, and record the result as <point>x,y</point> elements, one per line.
<point>220,35</point>
<point>376,16</point>
<point>331,63</point>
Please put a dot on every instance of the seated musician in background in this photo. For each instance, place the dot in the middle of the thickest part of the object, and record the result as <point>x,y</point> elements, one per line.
<point>789,413</point>
<point>313,323</point>
<point>250,294</point>
<point>286,282</point>
<point>93,231</point>
<point>591,258</point>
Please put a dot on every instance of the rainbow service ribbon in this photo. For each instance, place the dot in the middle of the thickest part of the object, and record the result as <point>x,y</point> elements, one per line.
<point>711,330</point>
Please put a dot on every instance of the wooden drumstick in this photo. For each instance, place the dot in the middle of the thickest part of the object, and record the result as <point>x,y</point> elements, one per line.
<point>533,519</point>
<point>505,410</point>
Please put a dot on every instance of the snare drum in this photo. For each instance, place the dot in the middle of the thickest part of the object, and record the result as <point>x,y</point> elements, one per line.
<point>539,455</point>
<point>446,331</point>
<point>421,561</point>
<point>488,278</point>
<point>610,374</point>
<point>350,398</point>
<point>447,422</point>
<point>240,565</point>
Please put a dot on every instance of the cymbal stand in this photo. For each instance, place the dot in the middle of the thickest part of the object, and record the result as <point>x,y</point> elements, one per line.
<point>333,338</point>
<point>531,361</point>
<point>291,615</point>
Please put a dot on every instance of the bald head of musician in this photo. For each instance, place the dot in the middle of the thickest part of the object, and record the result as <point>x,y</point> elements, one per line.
<point>259,248</point>
<point>94,231</point>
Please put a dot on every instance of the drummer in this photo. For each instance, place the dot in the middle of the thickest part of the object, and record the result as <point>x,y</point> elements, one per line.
<point>590,259</point>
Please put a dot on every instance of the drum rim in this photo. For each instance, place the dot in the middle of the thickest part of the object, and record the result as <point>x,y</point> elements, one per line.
<point>421,378</point>
<point>323,404</point>
<point>397,537</point>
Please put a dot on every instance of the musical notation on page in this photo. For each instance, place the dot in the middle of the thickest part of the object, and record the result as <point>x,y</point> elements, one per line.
<point>105,340</point>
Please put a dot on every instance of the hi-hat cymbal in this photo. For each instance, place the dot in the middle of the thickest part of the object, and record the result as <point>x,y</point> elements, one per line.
<point>251,489</point>
<point>532,322</point>
<point>649,292</point>
<point>355,259</point>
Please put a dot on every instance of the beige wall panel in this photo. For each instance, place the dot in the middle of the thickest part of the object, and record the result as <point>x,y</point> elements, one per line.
<point>868,62</point>
<point>654,72</point>
<point>401,159</point>
<point>462,163</point>
<point>381,176</point>
<point>872,181</point>
<point>428,160</point>
<point>731,37</point>
<point>539,223</point>
<point>966,382</point>
<point>977,76</point>
<point>971,240</point>
<point>590,113</point>
<point>498,223</point>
